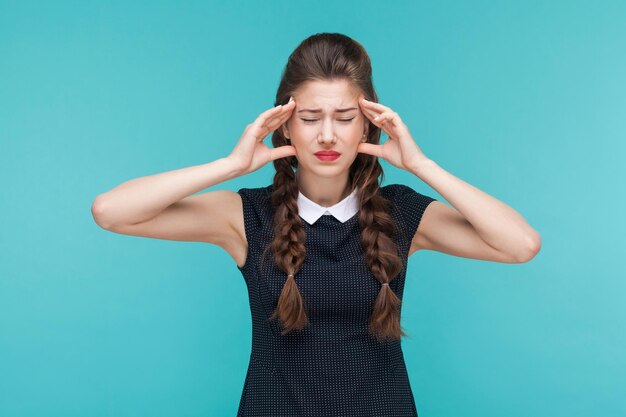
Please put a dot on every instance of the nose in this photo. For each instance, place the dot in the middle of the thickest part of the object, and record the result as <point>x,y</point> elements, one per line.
<point>328,132</point>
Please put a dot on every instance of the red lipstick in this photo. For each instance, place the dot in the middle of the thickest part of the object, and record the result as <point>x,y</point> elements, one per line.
<point>327,155</point>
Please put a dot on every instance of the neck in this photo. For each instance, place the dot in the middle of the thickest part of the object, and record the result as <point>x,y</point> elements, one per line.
<point>324,191</point>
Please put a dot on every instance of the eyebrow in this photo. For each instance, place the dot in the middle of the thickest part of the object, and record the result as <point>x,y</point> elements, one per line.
<point>319,110</point>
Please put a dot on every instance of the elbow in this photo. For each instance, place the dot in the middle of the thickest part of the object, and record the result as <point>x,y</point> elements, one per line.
<point>98,214</point>
<point>533,247</point>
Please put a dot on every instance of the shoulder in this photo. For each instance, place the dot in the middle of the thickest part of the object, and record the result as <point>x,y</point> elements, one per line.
<point>394,191</point>
<point>251,216</point>
<point>255,198</point>
<point>257,192</point>
<point>408,203</point>
<point>256,205</point>
<point>401,194</point>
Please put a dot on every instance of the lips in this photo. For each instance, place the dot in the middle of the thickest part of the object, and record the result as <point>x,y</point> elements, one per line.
<point>327,156</point>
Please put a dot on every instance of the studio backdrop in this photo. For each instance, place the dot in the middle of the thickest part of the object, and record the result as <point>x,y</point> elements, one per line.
<point>525,100</point>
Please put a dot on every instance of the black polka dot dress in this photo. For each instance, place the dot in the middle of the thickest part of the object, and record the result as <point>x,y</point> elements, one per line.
<point>332,367</point>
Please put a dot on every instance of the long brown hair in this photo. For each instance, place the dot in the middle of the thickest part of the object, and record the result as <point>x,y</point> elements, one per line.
<point>328,57</point>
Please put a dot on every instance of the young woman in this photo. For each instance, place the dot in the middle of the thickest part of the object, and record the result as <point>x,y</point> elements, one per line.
<point>323,249</point>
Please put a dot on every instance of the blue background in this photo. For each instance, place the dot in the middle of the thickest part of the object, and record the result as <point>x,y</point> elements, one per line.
<point>524,100</point>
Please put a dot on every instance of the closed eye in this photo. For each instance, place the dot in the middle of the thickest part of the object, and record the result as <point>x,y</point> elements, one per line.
<point>314,120</point>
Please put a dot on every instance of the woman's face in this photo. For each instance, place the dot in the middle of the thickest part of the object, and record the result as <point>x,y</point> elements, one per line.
<point>326,117</point>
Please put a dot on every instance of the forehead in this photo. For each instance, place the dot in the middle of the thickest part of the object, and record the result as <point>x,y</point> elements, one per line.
<point>326,95</point>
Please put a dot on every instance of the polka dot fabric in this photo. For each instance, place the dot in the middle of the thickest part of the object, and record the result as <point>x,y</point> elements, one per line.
<point>332,367</point>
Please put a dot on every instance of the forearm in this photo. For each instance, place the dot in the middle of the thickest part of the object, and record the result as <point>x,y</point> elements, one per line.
<point>498,224</point>
<point>142,198</point>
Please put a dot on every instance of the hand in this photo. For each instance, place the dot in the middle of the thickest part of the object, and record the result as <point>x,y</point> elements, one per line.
<point>251,153</point>
<point>400,149</point>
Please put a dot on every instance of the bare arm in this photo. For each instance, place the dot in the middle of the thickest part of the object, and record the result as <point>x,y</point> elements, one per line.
<point>478,226</point>
<point>163,206</point>
<point>142,198</point>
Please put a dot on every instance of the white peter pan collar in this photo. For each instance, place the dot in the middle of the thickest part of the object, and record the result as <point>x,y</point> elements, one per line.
<point>344,210</point>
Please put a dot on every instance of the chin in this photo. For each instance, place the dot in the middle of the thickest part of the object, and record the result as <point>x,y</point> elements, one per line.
<point>329,171</point>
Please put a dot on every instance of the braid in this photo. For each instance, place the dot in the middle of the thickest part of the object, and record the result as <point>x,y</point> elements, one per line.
<point>377,240</point>
<point>288,246</point>
<point>380,250</point>
<point>331,57</point>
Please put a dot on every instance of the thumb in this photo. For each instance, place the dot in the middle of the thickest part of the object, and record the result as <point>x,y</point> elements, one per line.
<point>282,152</point>
<point>370,149</point>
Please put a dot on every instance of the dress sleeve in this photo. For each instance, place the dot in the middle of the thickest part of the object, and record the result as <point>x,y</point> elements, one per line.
<point>412,206</point>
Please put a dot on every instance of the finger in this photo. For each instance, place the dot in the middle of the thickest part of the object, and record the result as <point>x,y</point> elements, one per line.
<point>386,122</point>
<point>383,121</point>
<point>370,114</point>
<point>286,111</point>
<point>383,117</point>
<point>267,121</point>
<point>375,105</point>
<point>282,152</point>
<point>388,119</point>
<point>370,149</point>
<point>289,104</point>
<point>268,114</point>
<point>278,121</point>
